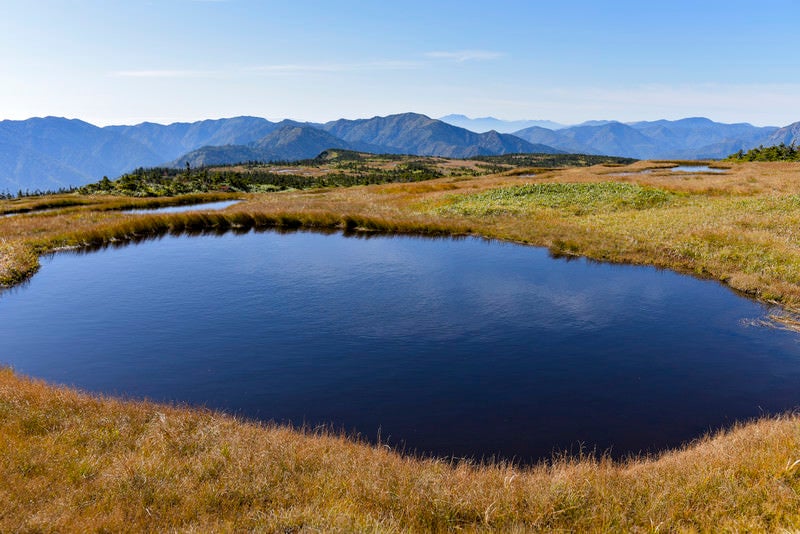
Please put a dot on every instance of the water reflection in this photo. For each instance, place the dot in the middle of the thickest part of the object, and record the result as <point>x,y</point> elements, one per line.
<point>190,207</point>
<point>452,347</point>
<point>697,168</point>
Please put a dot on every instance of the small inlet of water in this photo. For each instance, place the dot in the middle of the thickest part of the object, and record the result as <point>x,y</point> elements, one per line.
<point>208,206</point>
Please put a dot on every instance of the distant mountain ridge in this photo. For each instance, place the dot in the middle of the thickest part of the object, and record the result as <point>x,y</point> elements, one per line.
<point>406,133</point>
<point>412,133</point>
<point>172,140</point>
<point>51,152</point>
<point>486,124</point>
<point>787,135</point>
<point>691,138</point>
<point>288,141</point>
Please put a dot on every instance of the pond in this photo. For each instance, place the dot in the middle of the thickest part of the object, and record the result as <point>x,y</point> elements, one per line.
<point>189,207</point>
<point>449,347</point>
<point>696,168</point>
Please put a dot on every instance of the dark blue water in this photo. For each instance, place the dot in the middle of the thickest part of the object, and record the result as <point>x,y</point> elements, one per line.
<point>451,347</point>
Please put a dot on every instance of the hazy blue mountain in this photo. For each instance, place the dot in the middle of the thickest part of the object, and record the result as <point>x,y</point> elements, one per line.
<point>216,155</point>
<point>290,141</point>
<point>786,135</point>
<point>412,133</point>
<point>615,139</point>
<point>52,152</point>
<point>24,169</point>
<point>595,123</point>
<point>296,141</point>
<point>172,140</point>
<point>408,133</point>
<point>690,138</point>
<point>486,124</point>
<point>556,139</point>
<point>608,138</point>
<point>701,137</point>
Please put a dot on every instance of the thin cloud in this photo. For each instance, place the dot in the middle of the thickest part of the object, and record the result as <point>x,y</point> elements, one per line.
<point>165,74</point>
<point>461,56</point>
<point>310,68</point>
<point>288,69</point>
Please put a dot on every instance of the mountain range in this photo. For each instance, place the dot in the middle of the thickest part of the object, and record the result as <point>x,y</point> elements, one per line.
<point>691,138</point>
<point>51,153</point>
<point>486,124</point>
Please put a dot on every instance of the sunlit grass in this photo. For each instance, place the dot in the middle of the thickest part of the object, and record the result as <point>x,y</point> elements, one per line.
<point>71,462</point>
<point>573,198</point>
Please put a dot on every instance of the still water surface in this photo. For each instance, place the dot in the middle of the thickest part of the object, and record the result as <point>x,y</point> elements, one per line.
<point>220,205</point>
<point>451,347</point>
<point>696,168</point>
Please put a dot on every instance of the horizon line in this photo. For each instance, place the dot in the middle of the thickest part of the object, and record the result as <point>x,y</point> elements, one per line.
<point>162,121</point>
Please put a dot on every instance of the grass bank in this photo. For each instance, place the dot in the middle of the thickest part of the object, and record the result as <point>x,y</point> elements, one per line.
<point>75,462</point>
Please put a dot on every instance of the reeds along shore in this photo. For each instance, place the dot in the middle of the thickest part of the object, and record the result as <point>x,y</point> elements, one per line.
<point>72,462</point>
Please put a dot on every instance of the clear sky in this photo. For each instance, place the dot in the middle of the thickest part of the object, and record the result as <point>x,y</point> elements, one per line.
<point>128,61</point>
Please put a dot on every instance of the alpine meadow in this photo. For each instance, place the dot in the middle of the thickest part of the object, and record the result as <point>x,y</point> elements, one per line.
<point>355,268</point>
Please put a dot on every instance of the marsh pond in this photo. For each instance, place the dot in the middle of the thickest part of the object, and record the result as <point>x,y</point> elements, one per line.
<point>452,347</point>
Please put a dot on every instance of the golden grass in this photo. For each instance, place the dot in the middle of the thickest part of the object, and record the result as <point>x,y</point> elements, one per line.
<point>71,462</point>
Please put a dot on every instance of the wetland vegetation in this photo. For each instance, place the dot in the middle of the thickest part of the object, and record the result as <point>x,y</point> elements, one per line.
<point>78,462</point>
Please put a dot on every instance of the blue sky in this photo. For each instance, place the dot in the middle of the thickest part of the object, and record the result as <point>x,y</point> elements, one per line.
<point>128,61</point>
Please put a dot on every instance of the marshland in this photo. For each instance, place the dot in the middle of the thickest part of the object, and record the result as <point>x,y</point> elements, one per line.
<point>78,461</point>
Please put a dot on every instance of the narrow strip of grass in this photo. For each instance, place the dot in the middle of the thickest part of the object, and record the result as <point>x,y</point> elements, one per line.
<point>32,204</point>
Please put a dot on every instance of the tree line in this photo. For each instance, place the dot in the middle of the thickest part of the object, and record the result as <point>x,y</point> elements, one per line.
<point>781,152</point>
<point>8,195</point>
<point>161,181</point>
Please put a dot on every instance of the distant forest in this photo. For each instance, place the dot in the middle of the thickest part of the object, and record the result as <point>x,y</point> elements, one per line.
<point>338,168</point>
<point>780,152</point>
<point>254,177</point>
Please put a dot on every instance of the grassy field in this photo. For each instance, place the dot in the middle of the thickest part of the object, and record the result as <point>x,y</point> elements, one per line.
<point>69,461</point>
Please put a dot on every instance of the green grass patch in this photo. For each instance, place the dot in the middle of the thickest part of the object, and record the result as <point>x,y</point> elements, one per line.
<point>575,198</point>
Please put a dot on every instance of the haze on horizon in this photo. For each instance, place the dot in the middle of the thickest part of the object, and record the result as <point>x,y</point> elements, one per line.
<point>127,61</point>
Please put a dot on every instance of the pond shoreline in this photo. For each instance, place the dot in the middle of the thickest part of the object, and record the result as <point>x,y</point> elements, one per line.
<point>176,224</point>
<point>177,469</point>
<point>578,309</point>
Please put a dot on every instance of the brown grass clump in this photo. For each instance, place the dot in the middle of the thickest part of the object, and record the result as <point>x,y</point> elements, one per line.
<point>72,462</point>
